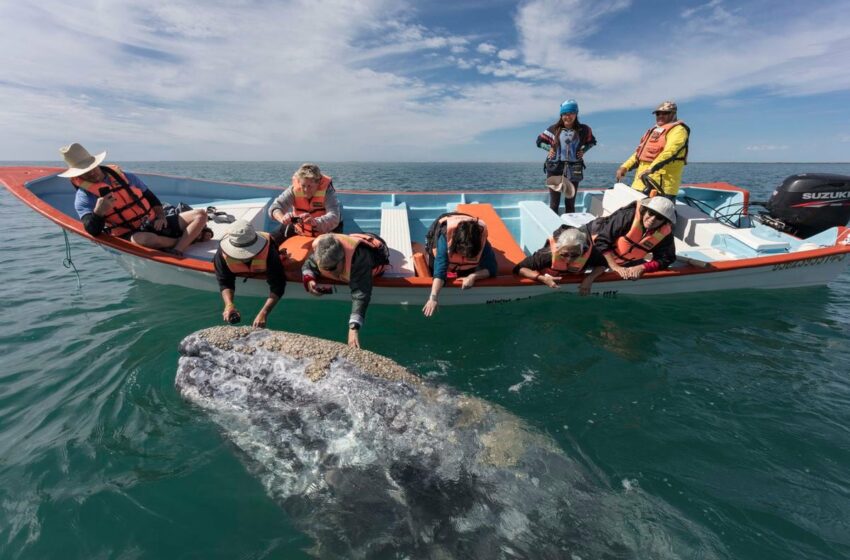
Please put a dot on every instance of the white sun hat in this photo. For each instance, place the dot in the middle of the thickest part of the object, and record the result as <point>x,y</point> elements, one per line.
<point>661,205</point>
<point>241,241</point>
<point>79,160</point>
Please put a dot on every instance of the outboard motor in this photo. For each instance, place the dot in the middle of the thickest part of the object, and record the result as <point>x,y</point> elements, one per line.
<point>809,203</point>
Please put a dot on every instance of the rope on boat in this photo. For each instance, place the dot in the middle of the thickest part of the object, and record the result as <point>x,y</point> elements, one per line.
<point>68,262</point>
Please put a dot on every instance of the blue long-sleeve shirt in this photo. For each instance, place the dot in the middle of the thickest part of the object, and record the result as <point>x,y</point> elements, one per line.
<point>441,260</point>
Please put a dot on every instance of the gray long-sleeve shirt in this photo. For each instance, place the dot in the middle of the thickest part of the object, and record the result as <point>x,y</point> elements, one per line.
<point>324,224</point>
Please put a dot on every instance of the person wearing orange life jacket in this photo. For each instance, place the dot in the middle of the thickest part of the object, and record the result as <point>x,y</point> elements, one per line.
<point>308,207</point>
<point>248,253</point>
<point>567,251</point>
<point>353,259</point>
<point>630,234</point>
<point>661,155</point>
<point>457,247</point>
<point>108,198</point>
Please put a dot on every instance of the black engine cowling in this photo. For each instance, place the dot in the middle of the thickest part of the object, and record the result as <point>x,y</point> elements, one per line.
<point>809,203</point>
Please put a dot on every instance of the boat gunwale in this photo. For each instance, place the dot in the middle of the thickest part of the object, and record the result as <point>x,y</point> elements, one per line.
<point>17,179</point>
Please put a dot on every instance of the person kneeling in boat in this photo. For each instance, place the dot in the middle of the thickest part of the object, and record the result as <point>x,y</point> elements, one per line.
<point>629,234</point>
<point>353,259</point>
<point>457,247</point>
<point>308,207</point>
<point>248,253</point>
<point>568,251</point>
<point>110,199</point>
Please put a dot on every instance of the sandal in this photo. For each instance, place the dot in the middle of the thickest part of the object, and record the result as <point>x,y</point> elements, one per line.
<point>219,217</point>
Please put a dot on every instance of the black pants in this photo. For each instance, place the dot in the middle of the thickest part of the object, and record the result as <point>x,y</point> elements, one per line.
<point>555,201</point>
<point>284,232</point>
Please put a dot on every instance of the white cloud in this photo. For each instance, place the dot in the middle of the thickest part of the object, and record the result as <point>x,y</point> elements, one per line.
<point>508,54</point>
<point>486,48</point>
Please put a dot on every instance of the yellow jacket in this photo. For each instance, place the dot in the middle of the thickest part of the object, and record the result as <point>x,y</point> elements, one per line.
<point>668,175</point>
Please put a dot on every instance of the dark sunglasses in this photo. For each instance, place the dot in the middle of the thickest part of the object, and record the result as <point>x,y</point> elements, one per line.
<point>656,215</point>
<point>663,112</point>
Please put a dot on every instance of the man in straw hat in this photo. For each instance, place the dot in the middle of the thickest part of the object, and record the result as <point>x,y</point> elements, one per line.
<point>245,252</point>
<point>109,198</point>
<point>637,238</point>
<point>661,155</point>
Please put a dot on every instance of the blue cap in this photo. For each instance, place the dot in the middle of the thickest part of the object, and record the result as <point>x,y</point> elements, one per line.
<point>569,106</point>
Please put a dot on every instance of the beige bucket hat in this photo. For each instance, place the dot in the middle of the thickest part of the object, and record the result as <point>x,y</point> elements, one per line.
<point>241,241</point>
<point>79,160</point>
<point>559,183</point>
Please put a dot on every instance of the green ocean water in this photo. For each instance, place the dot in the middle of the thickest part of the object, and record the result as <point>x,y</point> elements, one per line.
<point>733,408</point>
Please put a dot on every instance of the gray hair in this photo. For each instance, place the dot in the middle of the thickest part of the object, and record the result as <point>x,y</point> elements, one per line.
<point>571,237</point>
<point>329,252</point>
<point>309,171</point>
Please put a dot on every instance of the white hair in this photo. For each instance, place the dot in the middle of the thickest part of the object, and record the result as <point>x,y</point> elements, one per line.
<point>571,237</point>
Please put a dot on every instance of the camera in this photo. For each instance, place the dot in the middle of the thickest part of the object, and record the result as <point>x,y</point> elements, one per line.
<point>103,191</point>
<point>234,317</point>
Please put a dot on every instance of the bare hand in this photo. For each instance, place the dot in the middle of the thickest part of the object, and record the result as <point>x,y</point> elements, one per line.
<point>159,223</point>
<point>430,307</point>
<point>313,288</point>
<point>584,287</point>
<point>354,338</point>
<point>230,313</point>
<point>622,271</point>
<point>549,280</point>
<point>621,172</point>
<point>260,320</point>
<point>580,154</point>
<point>308,220</point>
<point>468,282</point>
<point>637,272</point>
<point>104,205</point>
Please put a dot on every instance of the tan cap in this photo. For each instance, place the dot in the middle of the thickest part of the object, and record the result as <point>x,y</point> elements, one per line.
<point>241,241</point>
<point>667,106</point>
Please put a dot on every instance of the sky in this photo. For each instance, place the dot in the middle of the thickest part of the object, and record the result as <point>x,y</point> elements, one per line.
<point>396,80</point>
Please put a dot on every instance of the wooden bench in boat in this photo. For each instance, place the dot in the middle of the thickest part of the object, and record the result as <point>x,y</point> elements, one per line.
<point>536,222</point>
<point>395,230</point>
<point>508,252</point>
<point>251,210</point>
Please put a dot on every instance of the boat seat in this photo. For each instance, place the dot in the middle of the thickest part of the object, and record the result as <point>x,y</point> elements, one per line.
<point>577,219</point>
<point>536,222</point>
<point>508,252</point>
<point>395,230</point>
<point>251,210</point>
<point>697,229</point>
<point>618,196</point>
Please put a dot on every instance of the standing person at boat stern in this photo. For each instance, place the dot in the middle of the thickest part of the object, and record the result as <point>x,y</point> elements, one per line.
<point>250,254</point>
<point>351,259</point>
<point>457,247</point>
<point>308,207</point>
<point>112,200</point>
<point>629,235</point>
<point>661,155</point>
<point>566,142</point>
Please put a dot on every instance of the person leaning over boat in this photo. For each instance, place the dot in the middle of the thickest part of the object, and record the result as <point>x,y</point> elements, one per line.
<point>110,199</point>
<point>247,253</point>
<point>566,141</point>
<point>308,207</point>
<point>352,259</point>
<point>568,251</point>
<point>457,246</point>
<point>661,155</point>
<point>631,233</point>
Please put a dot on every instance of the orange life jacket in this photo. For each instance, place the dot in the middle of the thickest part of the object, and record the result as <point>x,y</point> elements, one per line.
<point>131,208</point>
<point>256,266</point>
<point>349,245</point>
<point>314,206</point>
<point>457,262</point>
<point>636,243</point>
<point>561,264</point>
<point>655,139</point>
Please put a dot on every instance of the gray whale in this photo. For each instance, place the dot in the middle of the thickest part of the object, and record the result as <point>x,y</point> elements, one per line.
<point>372,462</point>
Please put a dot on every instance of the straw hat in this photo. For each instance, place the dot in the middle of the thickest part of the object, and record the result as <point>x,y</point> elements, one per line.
<point>79,160</point>
<point>662,205</point>
<point>241,241</point>
<point>559,183</point>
